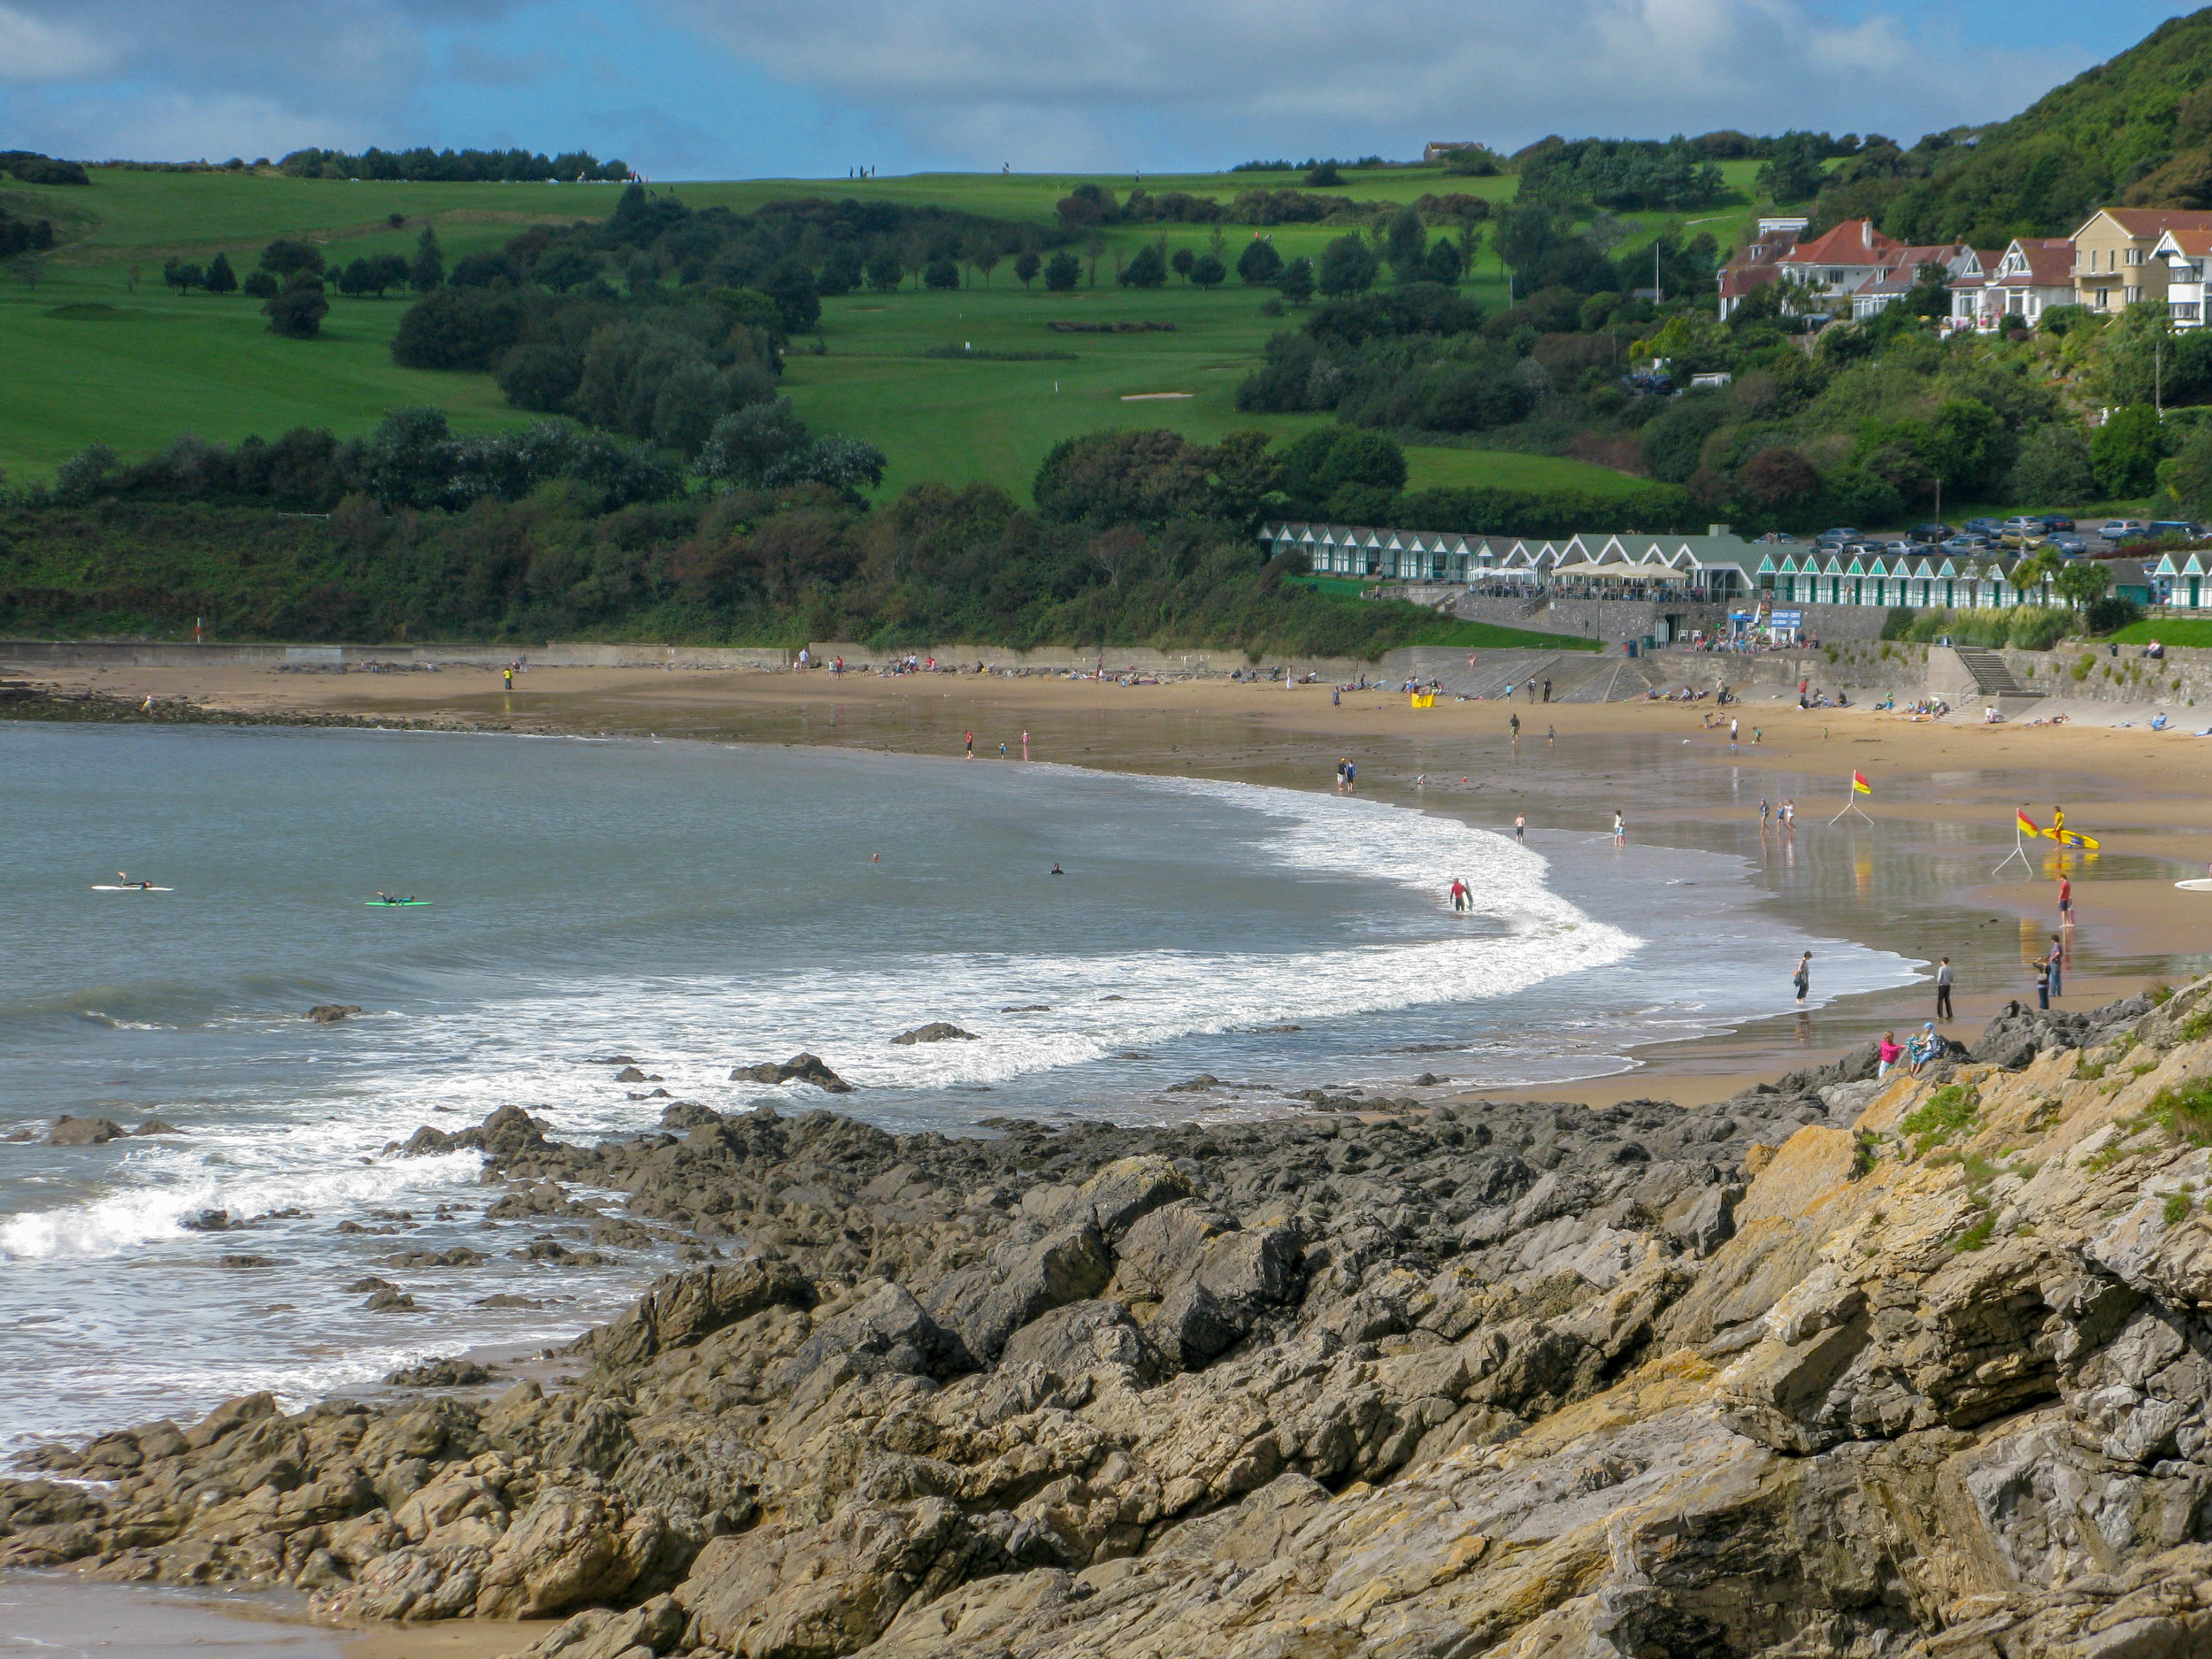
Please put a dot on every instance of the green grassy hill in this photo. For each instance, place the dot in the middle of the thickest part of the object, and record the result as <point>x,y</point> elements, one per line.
<point>2135,130</point>
<point>98,350</point>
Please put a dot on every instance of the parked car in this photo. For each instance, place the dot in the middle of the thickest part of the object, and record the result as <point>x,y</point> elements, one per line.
<point>1930,534</point>
<point>1989,528</point>
<point>1835,538</point>
<point>2026,523</point>
<point>2070,545</point>
<point>2121,529</point>
<point>2057,521</point>
<point>1966,546</point>
<point>2026,540</point>
<point>2158,529</point>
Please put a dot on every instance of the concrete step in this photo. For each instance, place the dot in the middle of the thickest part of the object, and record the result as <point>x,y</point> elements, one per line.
<point>1993,676</point>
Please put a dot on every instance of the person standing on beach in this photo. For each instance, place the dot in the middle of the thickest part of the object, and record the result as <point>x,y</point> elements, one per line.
<point>510,676</point>
<point>1025,746</point>
<point>2057,962</point>
<point>1620,828</point>
<point>1765,813</point>
<point>2065,902</point>
<point>1515,723</point>
<point>2043,982</point>
<point>1340,765</point>
<point>1520,828</point>
<point>1732,731</point>
<point>1547,687</point>
<point>1943,990</point>
<point>1802,981</point>
<point>971,745</point>
<point>1351,778</point>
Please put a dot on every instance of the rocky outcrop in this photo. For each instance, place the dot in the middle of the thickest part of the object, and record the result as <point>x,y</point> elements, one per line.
<point>1843,1367</point>
<point>84,1131</point>
<point>936,1031</point>
<point>800,1068</point>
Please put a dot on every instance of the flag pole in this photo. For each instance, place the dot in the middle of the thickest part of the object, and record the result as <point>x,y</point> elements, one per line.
<point>2019,850</point>
<point>1850,805</point>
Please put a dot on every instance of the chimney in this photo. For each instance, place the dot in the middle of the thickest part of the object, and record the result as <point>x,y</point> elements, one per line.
<point>1866,231</point>
<point>1716,529</point>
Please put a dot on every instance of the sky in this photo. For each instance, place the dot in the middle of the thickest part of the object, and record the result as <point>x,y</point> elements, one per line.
<point>812,88</point>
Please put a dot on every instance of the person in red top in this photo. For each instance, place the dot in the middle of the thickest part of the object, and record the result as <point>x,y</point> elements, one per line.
<point>2065,902</point>
<point>971,755</point>
<point>1887,1053</point>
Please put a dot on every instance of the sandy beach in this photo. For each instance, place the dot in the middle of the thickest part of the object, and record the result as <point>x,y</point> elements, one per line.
<point>1915,875</point>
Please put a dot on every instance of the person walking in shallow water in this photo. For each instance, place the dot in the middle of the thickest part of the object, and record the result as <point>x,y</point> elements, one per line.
<point>1802,981</point>
<point>1943,990</point>
<point>1620,828</point>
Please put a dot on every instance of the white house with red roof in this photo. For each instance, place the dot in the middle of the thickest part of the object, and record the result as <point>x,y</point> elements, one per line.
<point>1851,269</point>
<point>2186,254</point>
<point>2029,276</point>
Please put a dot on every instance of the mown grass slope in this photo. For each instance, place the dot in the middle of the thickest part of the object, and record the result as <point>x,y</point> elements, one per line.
<point>156,363</point>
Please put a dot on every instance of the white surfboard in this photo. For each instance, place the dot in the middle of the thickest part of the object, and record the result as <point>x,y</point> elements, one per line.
<point>2202,884</point>
<point>110,886</point>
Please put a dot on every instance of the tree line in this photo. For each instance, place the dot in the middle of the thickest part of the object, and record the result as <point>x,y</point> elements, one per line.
<point>423,165</point>
<point>1137,537</point>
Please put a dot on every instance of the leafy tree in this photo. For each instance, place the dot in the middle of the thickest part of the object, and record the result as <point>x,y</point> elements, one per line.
<point>886,271</point>
<point>1967,445</point>
<point>1148,270</point>
<point>260,285</point>
<point>1063,272</point>
<point>843,272</point>
<point>182,277</point>
<point>564,267</point>
<point>1406,245</point>
<point>220,278</point>
<point>1347,266</point>
<point>1795,169</point>
<point>2124,452</point>
<point>1443,264</point>
<point>289,256</point>
<point>1296,281</point>
<point>457,328</point>
<point>747,444</point>
<point>1182,260</point>
<point>1259,263</point>
<point>541,377</point>
<point>373,275</point>
<point>1325,177</point>
<point>1778,479</point>
<point>1121,477</point>
<point>2054,469</point>
<point>984,256</point>
<point>1026,264</point>
<point>941,274</point>
<point>1206,273</point>
<point>297,313</point>
<point>2082,582</point>
<point>798,302</point>
<point>428,270</point>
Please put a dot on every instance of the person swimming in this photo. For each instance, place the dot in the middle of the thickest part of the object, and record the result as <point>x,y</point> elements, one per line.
<point>1056,869</point>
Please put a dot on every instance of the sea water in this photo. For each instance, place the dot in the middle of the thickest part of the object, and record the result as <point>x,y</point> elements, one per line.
<point>695,908</point>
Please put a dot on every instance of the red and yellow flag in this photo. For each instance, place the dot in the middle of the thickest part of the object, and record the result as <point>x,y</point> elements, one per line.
<point>2027,823</point>
<point>1859,785</point>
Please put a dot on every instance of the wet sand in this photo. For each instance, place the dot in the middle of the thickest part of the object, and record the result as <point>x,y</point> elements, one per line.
<point>1916,875</point>
<point>57,1616</point>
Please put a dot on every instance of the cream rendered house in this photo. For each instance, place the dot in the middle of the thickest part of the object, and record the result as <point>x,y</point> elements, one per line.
<point>2115,265</point>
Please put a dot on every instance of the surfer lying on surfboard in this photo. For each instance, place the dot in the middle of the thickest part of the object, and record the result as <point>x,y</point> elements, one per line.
<point>383,898</point>
<point>124,883</point>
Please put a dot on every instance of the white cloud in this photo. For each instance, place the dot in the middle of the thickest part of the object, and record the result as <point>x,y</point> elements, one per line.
<point>1043,84</point>
<point>34,50</point>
